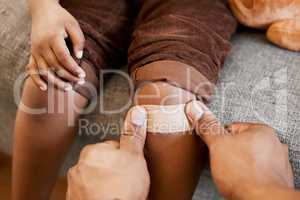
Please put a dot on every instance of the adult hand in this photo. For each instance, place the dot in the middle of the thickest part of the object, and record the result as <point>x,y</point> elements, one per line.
<point>245,158</point>
<point>50,56</point>
<point>113,170</point>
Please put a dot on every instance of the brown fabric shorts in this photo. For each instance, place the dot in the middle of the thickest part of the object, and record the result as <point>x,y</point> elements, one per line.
<point>193,33</point>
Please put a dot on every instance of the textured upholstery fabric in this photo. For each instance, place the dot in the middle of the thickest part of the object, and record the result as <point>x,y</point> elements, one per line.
<point>14,34</point>
<point>259,82</point>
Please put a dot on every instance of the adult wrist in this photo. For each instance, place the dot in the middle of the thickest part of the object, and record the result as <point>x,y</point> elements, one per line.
<point>36,5</point>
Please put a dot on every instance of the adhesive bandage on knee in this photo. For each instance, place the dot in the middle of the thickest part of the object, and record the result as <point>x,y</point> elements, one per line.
<point>167,119</point>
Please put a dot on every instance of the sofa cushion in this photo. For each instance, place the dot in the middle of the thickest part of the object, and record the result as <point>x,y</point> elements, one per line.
<point>14,34</point>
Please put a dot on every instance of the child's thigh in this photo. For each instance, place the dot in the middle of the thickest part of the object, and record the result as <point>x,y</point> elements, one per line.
<point>107,27</point>
<point>194,33</point>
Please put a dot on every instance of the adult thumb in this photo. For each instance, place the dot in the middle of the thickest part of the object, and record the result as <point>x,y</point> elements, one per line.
<point>205,123</point>
<point>134,131</point>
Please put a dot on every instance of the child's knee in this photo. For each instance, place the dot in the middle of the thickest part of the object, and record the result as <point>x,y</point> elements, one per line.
<point>165,105</point>
<point>48,103</point>
<point>32,96</point>
<point>180,75</point>
<point>162,93</point>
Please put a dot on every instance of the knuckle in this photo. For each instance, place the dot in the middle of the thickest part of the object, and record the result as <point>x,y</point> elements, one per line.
<point>44,73</point>
<point>206,124</point>
<point>40,43</point>
<point>74,23</point>
<point>52,38</point>
<point>35,54</point>
<point>134,138</point>
<point>53,64</point>
<point>63,56</point>
<point>35,43</point>
<point>42,47</point>
<point>37,47</point>
<point>87,151</point>
<point>34,75</point>
<point>47,57</point>
<point>71,172</point>
<point>129,132</point>
<point>61,73</point>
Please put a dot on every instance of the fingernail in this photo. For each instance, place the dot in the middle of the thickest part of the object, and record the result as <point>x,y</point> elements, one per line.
<point>138,116</point>
<point>81,73</point>
<point>194,110</point>
<point>60,73</point>
<point>79,54</point>
<point>43,88</point>
<point>68,87</point>
<point>81,82</point>
<point>65,35</point>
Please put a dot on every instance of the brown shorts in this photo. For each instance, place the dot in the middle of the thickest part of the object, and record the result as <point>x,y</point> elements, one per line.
<point>195,33</point>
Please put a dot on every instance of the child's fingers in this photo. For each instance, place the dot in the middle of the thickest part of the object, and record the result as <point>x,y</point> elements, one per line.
<point>64,57</point>
<point>63,73</point>
<point>52,78</point>
<point>56,66</point>
<point>48,75</point>
<point>50,58</point>
<point>77,38</point>
<point>32,70</point>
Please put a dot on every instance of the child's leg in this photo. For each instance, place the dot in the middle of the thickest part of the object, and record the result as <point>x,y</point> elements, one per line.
<point>175,160</point>
<point>183,44</point>
<point>42,140</point>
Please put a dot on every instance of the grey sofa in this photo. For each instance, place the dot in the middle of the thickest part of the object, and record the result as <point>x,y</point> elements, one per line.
<point>259,83</point>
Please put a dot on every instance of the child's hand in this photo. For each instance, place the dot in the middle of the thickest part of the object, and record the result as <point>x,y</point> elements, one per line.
<point>51,24</point>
